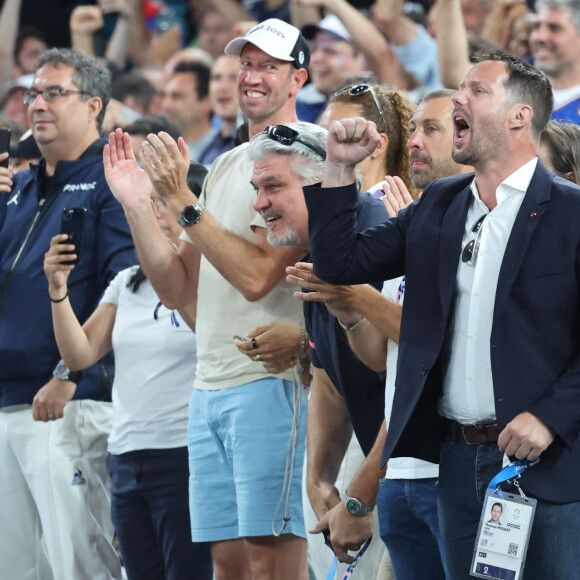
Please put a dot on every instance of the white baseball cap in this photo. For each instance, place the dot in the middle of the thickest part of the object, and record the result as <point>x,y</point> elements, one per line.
<point>277,39</point>
<point>330,24</point>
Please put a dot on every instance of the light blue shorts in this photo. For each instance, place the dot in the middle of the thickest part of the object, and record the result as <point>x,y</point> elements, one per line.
<point>238,443</point>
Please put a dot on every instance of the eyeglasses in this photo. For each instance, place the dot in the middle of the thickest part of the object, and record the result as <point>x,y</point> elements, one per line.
<point>287,136</point>
<point>357,90</point>
<point>469,254</point>
<point>49,94</point>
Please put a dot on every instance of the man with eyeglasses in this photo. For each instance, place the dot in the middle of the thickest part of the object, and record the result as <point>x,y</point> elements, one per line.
<point>489,351</point>
<point>54,423</point>
<point>245,484</point>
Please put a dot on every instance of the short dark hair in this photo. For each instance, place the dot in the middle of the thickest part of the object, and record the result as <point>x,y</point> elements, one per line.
<point>438,94</point>
<point>152,124</point>
<point>89,75</point>
<point>134,85</point>
<point>24,34</point>
<point>499,504</point>
<point>525,84</point>
<point>201,72</point>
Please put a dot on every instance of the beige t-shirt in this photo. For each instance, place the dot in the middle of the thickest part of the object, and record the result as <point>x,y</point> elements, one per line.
<point>222,311</point>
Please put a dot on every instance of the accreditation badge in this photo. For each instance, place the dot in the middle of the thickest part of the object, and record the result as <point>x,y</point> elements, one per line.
<point>503,534</point>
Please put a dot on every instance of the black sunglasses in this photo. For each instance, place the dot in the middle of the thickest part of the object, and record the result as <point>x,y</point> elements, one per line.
<point>286,136</point>
<point>357,90</point>
<point>469,253</point>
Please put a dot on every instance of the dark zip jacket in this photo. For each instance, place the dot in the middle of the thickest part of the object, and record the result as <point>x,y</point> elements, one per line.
<point>28,351</point>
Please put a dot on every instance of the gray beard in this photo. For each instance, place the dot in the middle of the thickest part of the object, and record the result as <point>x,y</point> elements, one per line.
<point>289,238</point>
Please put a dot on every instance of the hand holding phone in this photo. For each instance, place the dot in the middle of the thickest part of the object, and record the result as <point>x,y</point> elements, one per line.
<point>5,146</point>
<point>73,224</point>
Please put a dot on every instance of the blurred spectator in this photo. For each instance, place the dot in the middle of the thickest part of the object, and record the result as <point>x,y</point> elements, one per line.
<point>223,96</point>
<point>214,33</point>
<point>416,50</point>
<point>500,24</point>
<point>185,55</point>
<point>20,46</point>
<point>555,45</point>
<point>186,103</point>
<point>12,104</point>
<point>559,149</point>
<point>135,91</point>
<point>333,60</point>
<point>138,130</point>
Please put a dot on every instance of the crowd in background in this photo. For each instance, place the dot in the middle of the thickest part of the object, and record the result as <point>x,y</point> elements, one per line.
<point>391,62</point>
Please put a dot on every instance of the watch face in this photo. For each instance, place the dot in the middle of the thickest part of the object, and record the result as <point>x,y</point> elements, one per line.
<point>191,214</point>
<point>61,371</point>
<point>353,506</point>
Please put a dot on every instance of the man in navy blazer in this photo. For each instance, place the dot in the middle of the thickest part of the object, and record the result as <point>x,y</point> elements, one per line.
<point>490,337</point>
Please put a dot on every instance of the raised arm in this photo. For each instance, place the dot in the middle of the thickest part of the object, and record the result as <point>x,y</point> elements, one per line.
<point>84,23</point>
<point>367,38</point>
<point>9,26</point>
<point>173,275</point>
<point>79,346</point>
<point>253,267</point>
<point>453,49</point>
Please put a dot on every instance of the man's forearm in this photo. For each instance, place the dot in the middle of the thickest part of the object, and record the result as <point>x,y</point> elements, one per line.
<point>254,268</point>
<point>329,430</point>
<point>383,321</point>
<point>365,484</point>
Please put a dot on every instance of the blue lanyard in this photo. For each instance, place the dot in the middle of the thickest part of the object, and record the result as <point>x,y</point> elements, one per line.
<point>512,471</point>
<point>351,568</point>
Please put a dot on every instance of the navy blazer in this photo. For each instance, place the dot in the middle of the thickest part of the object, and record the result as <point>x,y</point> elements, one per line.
<point>535,338</point>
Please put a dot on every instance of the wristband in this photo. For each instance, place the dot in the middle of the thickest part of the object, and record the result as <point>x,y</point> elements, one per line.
<point>351,327</point>
<point>59,299</point>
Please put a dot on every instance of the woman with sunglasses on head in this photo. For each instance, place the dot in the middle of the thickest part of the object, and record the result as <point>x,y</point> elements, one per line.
<point>391,111</point>
<point>155,361</point>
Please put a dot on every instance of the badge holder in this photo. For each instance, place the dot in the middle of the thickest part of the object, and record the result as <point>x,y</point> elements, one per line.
<point>504,528</point>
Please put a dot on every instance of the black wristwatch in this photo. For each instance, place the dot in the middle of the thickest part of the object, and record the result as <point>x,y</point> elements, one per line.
<point>63,373</point>
<point>190,215</point>
<point>355,507</point>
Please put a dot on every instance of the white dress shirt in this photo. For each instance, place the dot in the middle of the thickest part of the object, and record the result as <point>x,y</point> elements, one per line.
<point>468,395</point>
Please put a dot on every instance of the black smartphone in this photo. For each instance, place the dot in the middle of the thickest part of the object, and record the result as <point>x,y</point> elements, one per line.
<point>5,145</point>
<point>73,224</point>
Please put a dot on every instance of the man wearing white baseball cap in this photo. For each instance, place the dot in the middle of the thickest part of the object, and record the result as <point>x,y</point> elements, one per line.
<point>245,488</point>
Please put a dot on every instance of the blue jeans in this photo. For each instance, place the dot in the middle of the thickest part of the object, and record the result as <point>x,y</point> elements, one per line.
<point>409,527</point>
<point>464,474</point>
<point>150,511</point>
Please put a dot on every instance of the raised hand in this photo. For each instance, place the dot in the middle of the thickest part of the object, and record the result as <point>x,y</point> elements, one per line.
<point>350,141</point>
<point>128,181</point>
<point>6,174</point>
<point>167,164</point>
<point>56,272</point>
<point>338,299</point>
<point>396,195</point>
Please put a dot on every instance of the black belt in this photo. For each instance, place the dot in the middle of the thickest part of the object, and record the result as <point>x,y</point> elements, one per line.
<point>475,434</point>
